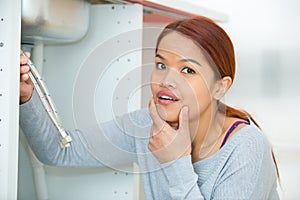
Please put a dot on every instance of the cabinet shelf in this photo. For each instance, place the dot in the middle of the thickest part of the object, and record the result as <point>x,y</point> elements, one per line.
<point>165,10</point>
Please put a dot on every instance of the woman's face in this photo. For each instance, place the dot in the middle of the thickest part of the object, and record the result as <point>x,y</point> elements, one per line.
<point>181,77</point>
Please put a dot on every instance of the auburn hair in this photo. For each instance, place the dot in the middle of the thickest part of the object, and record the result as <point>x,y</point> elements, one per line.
<point>218,50</point>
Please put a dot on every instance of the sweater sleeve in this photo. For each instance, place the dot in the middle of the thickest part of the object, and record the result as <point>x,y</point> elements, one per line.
<point>93,147</point>
<point>182,179</point>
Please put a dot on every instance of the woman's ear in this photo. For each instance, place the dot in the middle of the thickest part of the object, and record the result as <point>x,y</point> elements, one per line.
<point>222,87</point>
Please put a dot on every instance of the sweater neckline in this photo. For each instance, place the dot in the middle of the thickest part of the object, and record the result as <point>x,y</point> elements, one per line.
<point>226,147</point>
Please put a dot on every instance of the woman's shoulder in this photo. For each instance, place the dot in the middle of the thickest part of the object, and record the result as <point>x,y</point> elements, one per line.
<point>248,140</point>
<point>250,132</point>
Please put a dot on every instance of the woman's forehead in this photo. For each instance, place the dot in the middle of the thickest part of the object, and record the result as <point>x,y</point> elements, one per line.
<point>180,45</point>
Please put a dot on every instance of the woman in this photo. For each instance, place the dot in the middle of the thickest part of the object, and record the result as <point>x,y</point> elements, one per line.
<point>188,144</point>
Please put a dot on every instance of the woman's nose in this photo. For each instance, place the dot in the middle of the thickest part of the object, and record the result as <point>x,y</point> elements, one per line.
<point>170,79</point>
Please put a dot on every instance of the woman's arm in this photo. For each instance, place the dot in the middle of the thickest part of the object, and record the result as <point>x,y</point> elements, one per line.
<point>182,179</point>
<point>89,148</point>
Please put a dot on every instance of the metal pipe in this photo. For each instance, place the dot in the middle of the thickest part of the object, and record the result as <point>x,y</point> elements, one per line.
<point>48,103</point>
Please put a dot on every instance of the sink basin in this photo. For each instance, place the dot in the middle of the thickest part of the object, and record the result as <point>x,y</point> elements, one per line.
<point>54,21</point>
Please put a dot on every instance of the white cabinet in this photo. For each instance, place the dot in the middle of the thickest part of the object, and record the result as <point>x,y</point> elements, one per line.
<point>10,15</point>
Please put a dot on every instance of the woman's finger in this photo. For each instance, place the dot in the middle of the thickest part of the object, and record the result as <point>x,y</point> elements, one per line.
<point>184,119</point>
<point>24,77</point>
<point>158,123</point>
<point>27,54</point>
<point>24,69</point>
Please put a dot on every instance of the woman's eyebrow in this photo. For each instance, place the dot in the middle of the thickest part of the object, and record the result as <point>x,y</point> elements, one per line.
<point>190,60</point>
<point>159,56</point>
<point>182,60</point>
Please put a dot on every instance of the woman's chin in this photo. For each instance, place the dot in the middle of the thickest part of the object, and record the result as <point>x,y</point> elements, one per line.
<point>172,118</point>
<point>169,115</point>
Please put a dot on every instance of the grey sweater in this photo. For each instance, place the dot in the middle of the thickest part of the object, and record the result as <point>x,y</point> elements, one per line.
<point>242,169</point>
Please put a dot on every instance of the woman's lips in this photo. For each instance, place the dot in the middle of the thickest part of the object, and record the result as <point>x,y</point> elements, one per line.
<point>166,97</point>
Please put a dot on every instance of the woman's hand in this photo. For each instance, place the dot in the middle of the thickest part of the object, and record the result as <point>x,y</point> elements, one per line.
<point>26,86</point>
<point>168,144</point>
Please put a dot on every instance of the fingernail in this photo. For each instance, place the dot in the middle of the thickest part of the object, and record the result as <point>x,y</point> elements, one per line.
<point>152,101</point>
<point>24,68</point>
<point>185,110</point>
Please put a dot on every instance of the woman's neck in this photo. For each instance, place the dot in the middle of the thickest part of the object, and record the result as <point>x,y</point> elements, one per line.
<point>208,134</point>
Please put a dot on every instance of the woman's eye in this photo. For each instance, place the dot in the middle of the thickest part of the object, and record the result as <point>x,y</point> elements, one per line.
<point>188,70</point>
<point>160,66</point>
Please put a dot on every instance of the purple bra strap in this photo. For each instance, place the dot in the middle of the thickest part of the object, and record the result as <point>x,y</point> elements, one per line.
<point>231,129</point>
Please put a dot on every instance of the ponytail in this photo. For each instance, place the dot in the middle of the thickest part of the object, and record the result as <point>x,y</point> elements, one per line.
<point>233,112</point>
